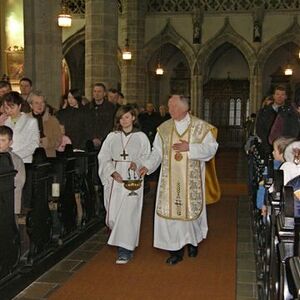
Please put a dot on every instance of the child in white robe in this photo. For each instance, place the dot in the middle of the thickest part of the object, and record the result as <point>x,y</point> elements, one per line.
<point>122,152</point>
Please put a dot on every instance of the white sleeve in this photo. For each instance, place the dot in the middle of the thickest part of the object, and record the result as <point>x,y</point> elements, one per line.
<point>106,164</point>
<point>155,157</point>
<point>31,142</point>
<point>204,151</point>
<point>144,151</point>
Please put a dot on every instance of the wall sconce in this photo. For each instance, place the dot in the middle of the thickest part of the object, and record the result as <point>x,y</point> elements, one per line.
<point>64,18</point>
<point>126,54</point>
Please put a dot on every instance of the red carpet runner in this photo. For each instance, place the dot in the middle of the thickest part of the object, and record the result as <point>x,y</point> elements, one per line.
<point>212,275</point>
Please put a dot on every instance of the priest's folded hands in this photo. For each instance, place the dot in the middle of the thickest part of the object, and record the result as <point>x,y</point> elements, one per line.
<point>183,146</point>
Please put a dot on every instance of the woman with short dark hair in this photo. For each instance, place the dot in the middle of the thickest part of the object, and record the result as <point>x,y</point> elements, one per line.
<point>26,132</point>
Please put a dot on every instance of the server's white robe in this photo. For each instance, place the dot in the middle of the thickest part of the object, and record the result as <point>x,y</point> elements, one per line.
<point>123,211</point>
<point>170,234</point>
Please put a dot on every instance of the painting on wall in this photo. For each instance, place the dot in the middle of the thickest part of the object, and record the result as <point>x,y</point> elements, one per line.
<point>15,63</point>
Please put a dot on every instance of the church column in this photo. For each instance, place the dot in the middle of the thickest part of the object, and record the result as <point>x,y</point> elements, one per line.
<point>197,95</point>
<point>43,47</point>
<point>255,90</point>
<point>101,35</point>
<point>133,71</point>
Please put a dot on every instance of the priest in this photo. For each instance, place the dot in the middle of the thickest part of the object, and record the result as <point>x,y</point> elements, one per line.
<point>182,145</point>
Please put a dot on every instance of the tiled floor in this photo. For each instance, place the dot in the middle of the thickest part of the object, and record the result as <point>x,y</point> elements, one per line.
<point>246,276</point>
<point>56,276</point>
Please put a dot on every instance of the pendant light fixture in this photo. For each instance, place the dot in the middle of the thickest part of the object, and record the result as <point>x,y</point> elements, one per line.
<point>288,71</point>
<point>159,69</point>
<point>126,54</point>
<point>64,18</point>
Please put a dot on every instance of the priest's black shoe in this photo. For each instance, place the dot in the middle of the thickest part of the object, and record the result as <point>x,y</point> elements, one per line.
<point>192,250</point>
<point>174,259</point>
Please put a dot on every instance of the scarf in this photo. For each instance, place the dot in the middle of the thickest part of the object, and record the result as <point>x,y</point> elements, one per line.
<point>39,118</point>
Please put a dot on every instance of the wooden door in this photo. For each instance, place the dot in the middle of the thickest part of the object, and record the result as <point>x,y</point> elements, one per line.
<point>226,105</point>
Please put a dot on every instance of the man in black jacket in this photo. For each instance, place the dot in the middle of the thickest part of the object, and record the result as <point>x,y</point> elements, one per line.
<point>101,115</point>
<point>275,120</point>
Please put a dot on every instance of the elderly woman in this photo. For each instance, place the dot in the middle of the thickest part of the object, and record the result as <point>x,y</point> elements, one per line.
<point>49,128</point>
<point>26,132</point>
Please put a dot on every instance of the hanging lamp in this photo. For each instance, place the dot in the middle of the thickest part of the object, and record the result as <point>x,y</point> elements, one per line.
<point>126,54</point>
<point>64,18</point>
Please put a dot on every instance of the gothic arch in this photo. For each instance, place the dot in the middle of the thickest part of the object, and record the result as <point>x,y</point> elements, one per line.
<point>170,36</point>
<point>73,53</point>
<point>292,34</point>
<point>75,38</point>
<point>226,35</point>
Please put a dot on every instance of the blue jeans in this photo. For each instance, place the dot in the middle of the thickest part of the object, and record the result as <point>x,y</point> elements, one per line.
<point>125,253</point>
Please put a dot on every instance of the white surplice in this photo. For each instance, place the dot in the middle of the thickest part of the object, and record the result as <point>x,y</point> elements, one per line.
<point>169,234</point>
<point>123,211</point>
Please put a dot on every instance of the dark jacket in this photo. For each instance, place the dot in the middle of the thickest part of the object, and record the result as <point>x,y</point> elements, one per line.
<point>101,118</point>
<point>75,121</point>
<point>285,122</point>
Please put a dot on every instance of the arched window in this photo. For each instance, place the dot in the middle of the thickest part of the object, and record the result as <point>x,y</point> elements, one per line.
<point>247,107</point>
<point>231,111</point>
<point>238,112</point>
<point>235,112</point>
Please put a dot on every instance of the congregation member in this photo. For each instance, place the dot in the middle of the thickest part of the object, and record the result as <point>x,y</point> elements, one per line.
<point>26,136</point>
<point>101,115</point>
<point>122,152</point>
<point>49,128</point>
<point>267,116</point>
<point>163,113</point>
<point>182,145</point>
<point>114,97</point>
<point>6,140</point>
<point>75,120</point>
<point>5,87</point>
<point>25,85</point>
<point>149,120</point>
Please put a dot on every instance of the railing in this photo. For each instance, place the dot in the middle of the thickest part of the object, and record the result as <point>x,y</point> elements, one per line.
<point>77,7</point>
<point>171,6</point>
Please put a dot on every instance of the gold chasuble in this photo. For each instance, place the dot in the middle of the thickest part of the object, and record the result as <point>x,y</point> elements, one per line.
<point>212,187</point>
<point>180,194</point>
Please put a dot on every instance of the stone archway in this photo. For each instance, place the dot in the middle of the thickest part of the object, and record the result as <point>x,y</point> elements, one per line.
<point>224,97</point>
<point>166,38</point>
<point>74,55</point>
<point>202,64</point>
<point>291,36</point>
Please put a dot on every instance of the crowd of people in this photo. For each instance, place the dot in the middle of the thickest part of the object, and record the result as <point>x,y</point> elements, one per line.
<point>277,128</point>
<point>134,142</point>
<point>123,134</point>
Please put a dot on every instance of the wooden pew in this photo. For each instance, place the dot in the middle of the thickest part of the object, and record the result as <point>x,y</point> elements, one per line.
<point>39,220</point>
<point>9,235</point>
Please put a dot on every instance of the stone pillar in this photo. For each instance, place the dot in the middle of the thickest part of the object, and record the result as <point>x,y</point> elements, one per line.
<point>2,38</point>
<point>197,95</point>
<point>255,90</point>
<point>43,47</point>
<point>133,71</point>
<point>101,36</point>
